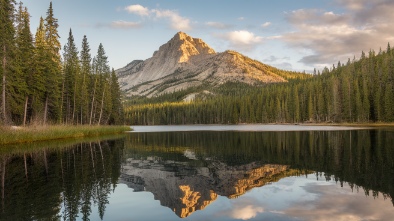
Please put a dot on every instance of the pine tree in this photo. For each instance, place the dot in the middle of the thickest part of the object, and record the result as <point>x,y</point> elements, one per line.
<point>7,53</point>
<point>93,80</point>
<point>52,36</point>
<point>310,108</point>
<point>389,103</point>
<point>24,40</point>
<point>388,48</point>
<point>16,85</point>
<point>85,59</point>
<point>102,73</point>
<point>117,108</point>
<point>53,75</point>
<point>71,80</point>
<point>366,102</point>
<point>40,66</point>
<point>296,105</point>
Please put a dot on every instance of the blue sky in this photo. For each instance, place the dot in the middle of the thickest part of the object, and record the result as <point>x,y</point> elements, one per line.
<point>292,35</point>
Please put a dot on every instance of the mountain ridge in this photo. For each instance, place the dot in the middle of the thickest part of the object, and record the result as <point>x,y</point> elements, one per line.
<point>185,62</point>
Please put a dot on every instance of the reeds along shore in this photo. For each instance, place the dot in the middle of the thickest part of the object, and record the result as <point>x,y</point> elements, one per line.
<point>13,135</point>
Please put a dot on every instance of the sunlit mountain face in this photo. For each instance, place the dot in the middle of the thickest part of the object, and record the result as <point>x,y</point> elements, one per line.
<point>186,62</point>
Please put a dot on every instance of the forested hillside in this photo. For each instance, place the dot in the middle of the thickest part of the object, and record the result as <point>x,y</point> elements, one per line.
<point>39,86</point>
<point>358,91</point>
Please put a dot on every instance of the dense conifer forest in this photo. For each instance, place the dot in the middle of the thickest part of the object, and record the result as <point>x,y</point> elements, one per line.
<point>359,91</point>
<point>39,86</point>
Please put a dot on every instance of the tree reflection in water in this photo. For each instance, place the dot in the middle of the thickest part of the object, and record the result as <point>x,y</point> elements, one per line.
<point>43,183</point>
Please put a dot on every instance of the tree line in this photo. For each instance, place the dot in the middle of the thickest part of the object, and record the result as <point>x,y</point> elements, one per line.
<point>39,86</point>
<point>359,91</point>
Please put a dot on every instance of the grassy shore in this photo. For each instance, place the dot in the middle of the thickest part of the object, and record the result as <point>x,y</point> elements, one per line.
<point>54,145</point>
<point>13,135</point>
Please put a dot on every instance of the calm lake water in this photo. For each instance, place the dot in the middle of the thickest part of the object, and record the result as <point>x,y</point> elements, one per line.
<point>247,172</point>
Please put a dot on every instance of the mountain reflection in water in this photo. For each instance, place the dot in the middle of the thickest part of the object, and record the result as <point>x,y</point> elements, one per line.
<point>191,171</point>
<point>186,189</point>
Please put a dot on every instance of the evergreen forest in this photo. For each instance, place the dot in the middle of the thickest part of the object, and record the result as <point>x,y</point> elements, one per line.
<point>39,86</point>
<point>360,91</point>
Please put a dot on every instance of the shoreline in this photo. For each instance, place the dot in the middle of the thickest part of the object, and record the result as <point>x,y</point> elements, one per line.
<point>18,135</point>
<point>350,124</point>
<point>285,124</point>
<point>252,127</point>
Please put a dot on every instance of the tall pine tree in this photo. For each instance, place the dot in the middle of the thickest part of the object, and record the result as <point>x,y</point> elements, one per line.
<point>117,108</point>
<point>53,75</point>
<point>41,65</point>
<point>7,53</point>
<point>24,40</point>
<point>102,73</point>
<point>71,80</point>
<point>86,68</point>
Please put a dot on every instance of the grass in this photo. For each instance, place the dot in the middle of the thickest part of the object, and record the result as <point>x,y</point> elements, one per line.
<point>54,145</point>
<point>14,135</point>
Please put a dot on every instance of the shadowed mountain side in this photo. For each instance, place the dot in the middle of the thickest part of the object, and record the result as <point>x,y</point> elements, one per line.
<point>186,189</point>
<point>185,62</point>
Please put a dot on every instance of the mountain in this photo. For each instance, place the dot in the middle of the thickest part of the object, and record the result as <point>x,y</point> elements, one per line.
<point>185,62</point>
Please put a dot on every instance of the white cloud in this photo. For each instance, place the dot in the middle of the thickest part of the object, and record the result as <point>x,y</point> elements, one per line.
<point>244,40</point>
<point>266,24</point>
<point>243,37</point>
<point>241,40</point>
<point>125,24</point>
<point>244,209</point>
<point>241,18</point>
<point>138,9</point>
<point>177,22</point>
<point>247,212</point>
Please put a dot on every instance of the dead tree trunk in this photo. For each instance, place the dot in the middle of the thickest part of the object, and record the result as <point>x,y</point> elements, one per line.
<point>92,108</point>
<point>46,110</point>
<point>3,85</point>
<point>101,109</point>
<point>25,114</point>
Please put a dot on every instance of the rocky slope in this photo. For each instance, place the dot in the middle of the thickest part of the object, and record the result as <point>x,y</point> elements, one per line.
<point>185,62</point>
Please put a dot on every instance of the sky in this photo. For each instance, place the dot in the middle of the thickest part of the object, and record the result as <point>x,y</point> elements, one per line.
<point>292,35</point>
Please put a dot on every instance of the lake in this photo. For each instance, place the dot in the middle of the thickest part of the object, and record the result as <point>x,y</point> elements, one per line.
<point>204,172</point>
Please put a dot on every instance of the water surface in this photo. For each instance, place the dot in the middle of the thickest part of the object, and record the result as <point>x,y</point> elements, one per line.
<point>242,127</point>
<point>204,175</point>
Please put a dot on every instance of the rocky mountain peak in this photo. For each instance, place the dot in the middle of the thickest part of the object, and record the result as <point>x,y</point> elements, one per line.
<point>183,47</point>
<point>185,62</point>
<point>182,36</point>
